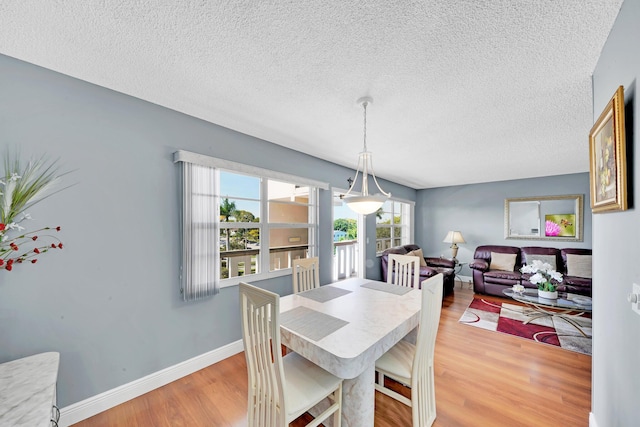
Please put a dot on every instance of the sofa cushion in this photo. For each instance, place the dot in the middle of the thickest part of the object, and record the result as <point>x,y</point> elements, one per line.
<point>549,259</point>
<point>427,272</point>
<point>440,262</point>
<point>504,262</point>
<point>579,265</point>
<point>507,278</point>
<point>576,285</point>
<point>418,253</point>
<point>549,255</point>
<point>577,281</point>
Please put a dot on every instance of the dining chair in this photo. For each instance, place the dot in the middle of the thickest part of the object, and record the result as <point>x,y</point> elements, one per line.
<point>412,365</point>
<point>404,270</point>
<point>305,274</point>
<point>281,388</point>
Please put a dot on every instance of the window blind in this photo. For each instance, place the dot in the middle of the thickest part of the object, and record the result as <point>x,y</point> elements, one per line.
<point>198,232</point>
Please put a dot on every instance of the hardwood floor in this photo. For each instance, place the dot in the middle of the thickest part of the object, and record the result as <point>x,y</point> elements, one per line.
<point>483,378</point>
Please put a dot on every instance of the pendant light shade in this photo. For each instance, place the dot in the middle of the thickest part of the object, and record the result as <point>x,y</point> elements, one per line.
<point>365,203</point>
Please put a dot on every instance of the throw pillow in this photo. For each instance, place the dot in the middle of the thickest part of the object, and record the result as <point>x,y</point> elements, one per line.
<point>549,259</point>
<point>418,253</point>
<point>504,262</point>
<point>579,265</point>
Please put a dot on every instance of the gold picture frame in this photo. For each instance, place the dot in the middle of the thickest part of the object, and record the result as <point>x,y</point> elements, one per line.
<point>608,159</point>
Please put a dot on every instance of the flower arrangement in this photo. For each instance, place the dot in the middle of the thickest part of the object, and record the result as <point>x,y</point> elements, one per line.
<point>20,188</point>
<point>542,273</point>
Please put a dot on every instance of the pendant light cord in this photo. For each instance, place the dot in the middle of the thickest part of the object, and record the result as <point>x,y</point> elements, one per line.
<point>364,104</point>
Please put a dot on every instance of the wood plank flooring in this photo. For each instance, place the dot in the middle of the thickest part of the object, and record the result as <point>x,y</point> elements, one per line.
<point>483,378</point>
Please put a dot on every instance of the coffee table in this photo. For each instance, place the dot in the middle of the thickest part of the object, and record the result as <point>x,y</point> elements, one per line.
<point>567,307</point>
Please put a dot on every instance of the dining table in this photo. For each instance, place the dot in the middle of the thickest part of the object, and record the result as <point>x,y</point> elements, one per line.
<point>344,327</point>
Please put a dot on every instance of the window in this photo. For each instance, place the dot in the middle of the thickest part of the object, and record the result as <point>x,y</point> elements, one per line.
<point>260,221</point>
<point>394,225</point>
<point>240,226</point>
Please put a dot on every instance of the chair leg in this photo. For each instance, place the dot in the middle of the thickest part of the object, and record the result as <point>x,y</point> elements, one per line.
<point>380,386</point>
<point>337,416</point>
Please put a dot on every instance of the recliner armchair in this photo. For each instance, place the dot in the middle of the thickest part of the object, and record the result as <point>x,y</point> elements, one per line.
<point>428,268</point>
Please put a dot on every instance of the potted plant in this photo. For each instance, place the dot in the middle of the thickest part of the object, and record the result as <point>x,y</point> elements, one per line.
<point>542,274</point>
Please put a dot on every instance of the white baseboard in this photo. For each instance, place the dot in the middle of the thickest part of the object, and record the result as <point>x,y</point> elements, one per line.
<point>592,420</point>
<point>87,408</point>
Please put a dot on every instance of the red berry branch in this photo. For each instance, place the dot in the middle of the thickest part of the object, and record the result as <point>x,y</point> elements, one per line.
<point>26,247</point>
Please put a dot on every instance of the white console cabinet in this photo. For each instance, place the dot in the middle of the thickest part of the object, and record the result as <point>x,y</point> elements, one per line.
<point>28,391</point>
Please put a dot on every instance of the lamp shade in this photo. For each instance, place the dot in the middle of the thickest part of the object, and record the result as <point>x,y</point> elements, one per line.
<point>365,205</point>
<point>454,237</point>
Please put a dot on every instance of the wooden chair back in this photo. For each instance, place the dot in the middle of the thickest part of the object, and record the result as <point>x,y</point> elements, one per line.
<point>305,274</point>
<point>404,270</point>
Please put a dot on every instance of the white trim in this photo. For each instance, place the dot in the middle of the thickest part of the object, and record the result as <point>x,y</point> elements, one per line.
<point>87,408</point>
<point>214,162</point>
<point>592,420</point>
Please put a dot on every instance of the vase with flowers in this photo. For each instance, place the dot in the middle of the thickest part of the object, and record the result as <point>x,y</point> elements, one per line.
<point>545,277</point>
<point>21,187</point>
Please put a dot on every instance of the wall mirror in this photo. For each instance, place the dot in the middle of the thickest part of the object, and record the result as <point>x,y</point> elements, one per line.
<point>544,218</point>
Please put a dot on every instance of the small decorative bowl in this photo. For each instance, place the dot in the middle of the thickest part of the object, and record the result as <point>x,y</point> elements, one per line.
<point>518,289</point>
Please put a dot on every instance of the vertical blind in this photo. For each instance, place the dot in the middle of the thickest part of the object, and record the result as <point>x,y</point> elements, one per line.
<point>198,230</point>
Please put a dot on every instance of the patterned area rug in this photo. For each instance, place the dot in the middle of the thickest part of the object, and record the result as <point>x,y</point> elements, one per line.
<point>508,318</point>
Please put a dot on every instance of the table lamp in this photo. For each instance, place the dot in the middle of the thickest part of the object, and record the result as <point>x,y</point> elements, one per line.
<point>454,237</point>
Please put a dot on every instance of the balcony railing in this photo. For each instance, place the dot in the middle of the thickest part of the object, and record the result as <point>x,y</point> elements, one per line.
<point>245,261</point>
<point>345,261</point>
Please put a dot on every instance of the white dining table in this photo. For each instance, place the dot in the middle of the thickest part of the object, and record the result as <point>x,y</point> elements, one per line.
<point>367,323</point>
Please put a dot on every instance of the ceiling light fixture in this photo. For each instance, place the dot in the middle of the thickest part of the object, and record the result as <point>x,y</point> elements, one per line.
<point>365,203</point>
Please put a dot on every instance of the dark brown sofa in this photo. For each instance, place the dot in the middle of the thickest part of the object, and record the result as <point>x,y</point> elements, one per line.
<point>433,267</point>
<point>493,281</point>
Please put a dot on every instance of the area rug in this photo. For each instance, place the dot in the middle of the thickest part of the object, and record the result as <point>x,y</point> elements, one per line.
<point>508,318</point>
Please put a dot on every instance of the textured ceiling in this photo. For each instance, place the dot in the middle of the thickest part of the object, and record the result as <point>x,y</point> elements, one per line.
<point>464,91</point>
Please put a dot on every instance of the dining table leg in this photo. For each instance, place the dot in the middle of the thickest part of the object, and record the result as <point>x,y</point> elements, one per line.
<point>358,399</point>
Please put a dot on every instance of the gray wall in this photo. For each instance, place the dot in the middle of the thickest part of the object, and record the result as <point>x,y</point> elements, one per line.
<point>616,240</point>
<point>109,302</point>
<point>477,210</point>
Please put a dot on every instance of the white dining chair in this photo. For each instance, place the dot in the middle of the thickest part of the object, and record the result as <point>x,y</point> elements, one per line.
<point>412,365</point>
<point>280,388</point>
<point>305,274</point>
<point>403,270</point>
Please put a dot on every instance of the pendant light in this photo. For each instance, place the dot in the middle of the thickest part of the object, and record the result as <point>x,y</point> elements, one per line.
<point>365,203</point>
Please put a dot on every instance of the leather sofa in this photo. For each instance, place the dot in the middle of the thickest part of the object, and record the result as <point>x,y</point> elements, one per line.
<point>433,266</point>
<point>492,278</point>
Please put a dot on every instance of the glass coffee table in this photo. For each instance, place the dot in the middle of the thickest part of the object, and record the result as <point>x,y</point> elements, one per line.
<point>567,307</point>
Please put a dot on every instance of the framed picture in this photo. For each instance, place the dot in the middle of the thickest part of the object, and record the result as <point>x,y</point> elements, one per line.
<point>608,160</point>
<point>560,225</point>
